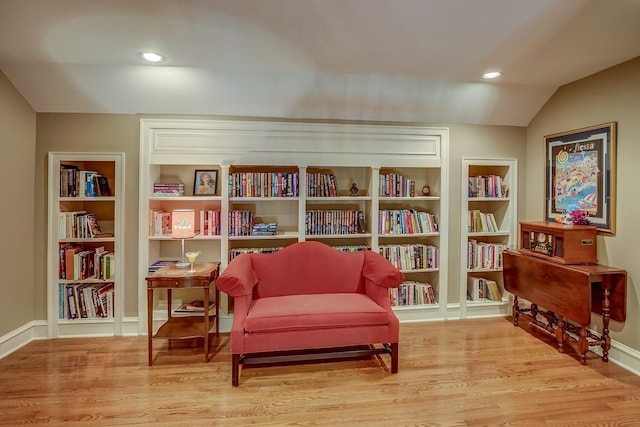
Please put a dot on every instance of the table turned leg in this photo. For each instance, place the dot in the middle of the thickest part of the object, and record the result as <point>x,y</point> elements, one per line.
<point>515,311</point>
<point>583,345</point>
<point>606,313</point>
<point>559,330</point>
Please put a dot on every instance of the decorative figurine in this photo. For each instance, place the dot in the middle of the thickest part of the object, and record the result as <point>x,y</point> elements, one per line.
<point>354,189</point>
<point>426,190</point>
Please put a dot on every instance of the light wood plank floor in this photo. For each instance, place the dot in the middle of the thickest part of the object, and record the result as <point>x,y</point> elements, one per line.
<point>457,373</point>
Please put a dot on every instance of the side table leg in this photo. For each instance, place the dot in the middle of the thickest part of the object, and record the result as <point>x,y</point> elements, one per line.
<point>150,324</point>
<point>515,311</point>
<point>206,324</point>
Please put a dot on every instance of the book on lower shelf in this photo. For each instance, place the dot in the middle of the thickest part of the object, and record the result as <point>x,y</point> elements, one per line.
<point>85,300</point>
<point>483,289</point>
<point>194,307</point>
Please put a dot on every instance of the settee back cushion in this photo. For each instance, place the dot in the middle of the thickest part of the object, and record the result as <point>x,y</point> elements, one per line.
<point>307,268</point>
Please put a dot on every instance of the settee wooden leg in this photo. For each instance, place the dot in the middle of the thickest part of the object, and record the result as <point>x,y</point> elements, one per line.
<point>394,357</point>
<point>235,369</point>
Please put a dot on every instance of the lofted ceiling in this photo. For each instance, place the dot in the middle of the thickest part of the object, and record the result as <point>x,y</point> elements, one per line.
<point>397,60</point>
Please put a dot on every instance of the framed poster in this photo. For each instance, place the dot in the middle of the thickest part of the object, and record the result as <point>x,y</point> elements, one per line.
<point>205,182</point>
<point>581,175</point>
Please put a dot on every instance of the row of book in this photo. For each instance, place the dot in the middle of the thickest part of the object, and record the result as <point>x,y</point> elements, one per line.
<point>75,182</point>
<point>487,186</point>
<point>406,221</point>
<point>396,185</point>
<point>237,251</point>
<point>482,256</point>
<point>321,185</point>
<point>263,184</point>
<point>77,262</point>
<point>481,222</point>
<point>159,222</point>
<point>175,189</point>
<point>352,248</point>
<point>334,222</point>
<point>85,300</point>
<point>343,248</point>
<point>412,293</point>
<point>241,222</point>
<point>481,289</point>
<point>209,222</point>
<point>78,225</point>
<point>411,256</point>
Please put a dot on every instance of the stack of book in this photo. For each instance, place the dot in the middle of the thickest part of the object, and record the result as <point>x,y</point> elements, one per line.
<point>264,229</point>
<point>194,307</point>
<point>159,264</point>
<point>168,190</point>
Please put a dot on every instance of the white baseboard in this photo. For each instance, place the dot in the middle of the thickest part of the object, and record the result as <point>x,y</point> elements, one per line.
<point>619,354</point>
<point>623,356</point>
<point>130,327</point>
<point>34,330</point>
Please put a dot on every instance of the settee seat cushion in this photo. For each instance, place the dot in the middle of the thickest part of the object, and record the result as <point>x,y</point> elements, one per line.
<point>313,311</point>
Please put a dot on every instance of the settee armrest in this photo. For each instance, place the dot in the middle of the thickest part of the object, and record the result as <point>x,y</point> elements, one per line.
<point>380,275</point>
<point>379,271</point>
<point>238,278</point>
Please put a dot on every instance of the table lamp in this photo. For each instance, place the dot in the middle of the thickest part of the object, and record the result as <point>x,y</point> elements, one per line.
<point>183,227</point>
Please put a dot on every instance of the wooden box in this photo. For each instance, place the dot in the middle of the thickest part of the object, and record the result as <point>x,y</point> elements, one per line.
<point>561,243</point>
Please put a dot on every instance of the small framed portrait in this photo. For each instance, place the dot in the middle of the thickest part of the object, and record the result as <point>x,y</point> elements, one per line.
<point>205,182</point>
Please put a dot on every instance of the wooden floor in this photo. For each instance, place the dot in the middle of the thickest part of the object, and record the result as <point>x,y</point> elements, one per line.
<point>457,373</point>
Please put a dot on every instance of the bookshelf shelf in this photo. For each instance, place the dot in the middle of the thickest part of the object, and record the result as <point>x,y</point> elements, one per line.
<point>87,199</point>
<point>338,236</point>
<point>84,288</point>
<point>280,235</point>
<point>492,187</point>
<point>349,160</point>
<point>483,270</point>
<point>340,199</point>
<point>408,235</point>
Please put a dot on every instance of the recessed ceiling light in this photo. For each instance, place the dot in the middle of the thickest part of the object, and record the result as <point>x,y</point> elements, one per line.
<point>152,57</point>
<point>491,75</point>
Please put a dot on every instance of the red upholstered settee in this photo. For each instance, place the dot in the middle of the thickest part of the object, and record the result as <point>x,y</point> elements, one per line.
<point>310,296</point>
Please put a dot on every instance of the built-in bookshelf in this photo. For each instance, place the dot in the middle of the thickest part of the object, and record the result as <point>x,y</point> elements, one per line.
<point>490,227</point>
<point>281,182</point>
<point>412,221</point>
<point>85,211</point>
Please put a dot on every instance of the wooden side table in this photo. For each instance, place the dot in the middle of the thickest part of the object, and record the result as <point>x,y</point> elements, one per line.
<point>183,327</point>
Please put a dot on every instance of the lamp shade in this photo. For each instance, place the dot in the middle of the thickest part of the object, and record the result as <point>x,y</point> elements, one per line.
<point>183,223</point>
